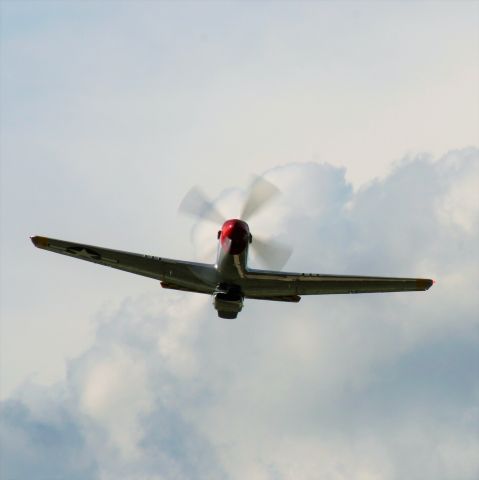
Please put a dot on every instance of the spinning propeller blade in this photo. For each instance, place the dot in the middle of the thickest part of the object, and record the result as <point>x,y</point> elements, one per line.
<point>272,253</point>
<point>260,193</point>
<point>196,204</point>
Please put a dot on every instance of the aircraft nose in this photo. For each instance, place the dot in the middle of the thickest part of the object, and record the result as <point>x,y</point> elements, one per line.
<point>234,236</point>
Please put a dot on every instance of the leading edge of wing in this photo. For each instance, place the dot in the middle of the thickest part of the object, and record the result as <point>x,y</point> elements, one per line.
<point>198,277</point>
<point>272,283</point>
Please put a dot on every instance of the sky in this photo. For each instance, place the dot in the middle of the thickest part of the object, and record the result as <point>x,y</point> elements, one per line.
<point>364,114</point>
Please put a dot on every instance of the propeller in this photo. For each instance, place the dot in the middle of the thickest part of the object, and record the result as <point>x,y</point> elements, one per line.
<point>260,193</point>
<point>271,253</point>
<point>196,204</point>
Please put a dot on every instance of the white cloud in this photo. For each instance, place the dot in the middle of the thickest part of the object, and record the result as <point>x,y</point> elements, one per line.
<point>459,207</point>
<point>366,387</point>
<point>113,394</point>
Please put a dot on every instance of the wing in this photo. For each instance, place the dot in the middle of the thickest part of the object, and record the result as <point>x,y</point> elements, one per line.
<point>176,274</point>
<point>283,286</point>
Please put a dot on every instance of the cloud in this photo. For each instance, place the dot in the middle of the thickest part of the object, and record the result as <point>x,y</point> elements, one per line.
<point>42,437</point>
<point>366,387</point>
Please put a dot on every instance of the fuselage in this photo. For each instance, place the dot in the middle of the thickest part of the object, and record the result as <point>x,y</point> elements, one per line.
<point>234,239</point>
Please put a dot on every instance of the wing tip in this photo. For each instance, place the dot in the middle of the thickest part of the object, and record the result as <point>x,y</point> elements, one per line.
<point>424,283</point>
<point>39,242</point>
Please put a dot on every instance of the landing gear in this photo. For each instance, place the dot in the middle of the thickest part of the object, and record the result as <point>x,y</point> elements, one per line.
<point>228,301</point>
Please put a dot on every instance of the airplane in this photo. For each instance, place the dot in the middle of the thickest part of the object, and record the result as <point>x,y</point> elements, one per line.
<point>229,281</point>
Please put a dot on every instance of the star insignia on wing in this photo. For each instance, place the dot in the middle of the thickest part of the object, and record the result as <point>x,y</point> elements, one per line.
<point>84,252</point>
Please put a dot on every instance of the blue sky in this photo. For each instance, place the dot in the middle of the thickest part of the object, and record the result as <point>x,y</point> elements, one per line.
<point>366,115</point>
